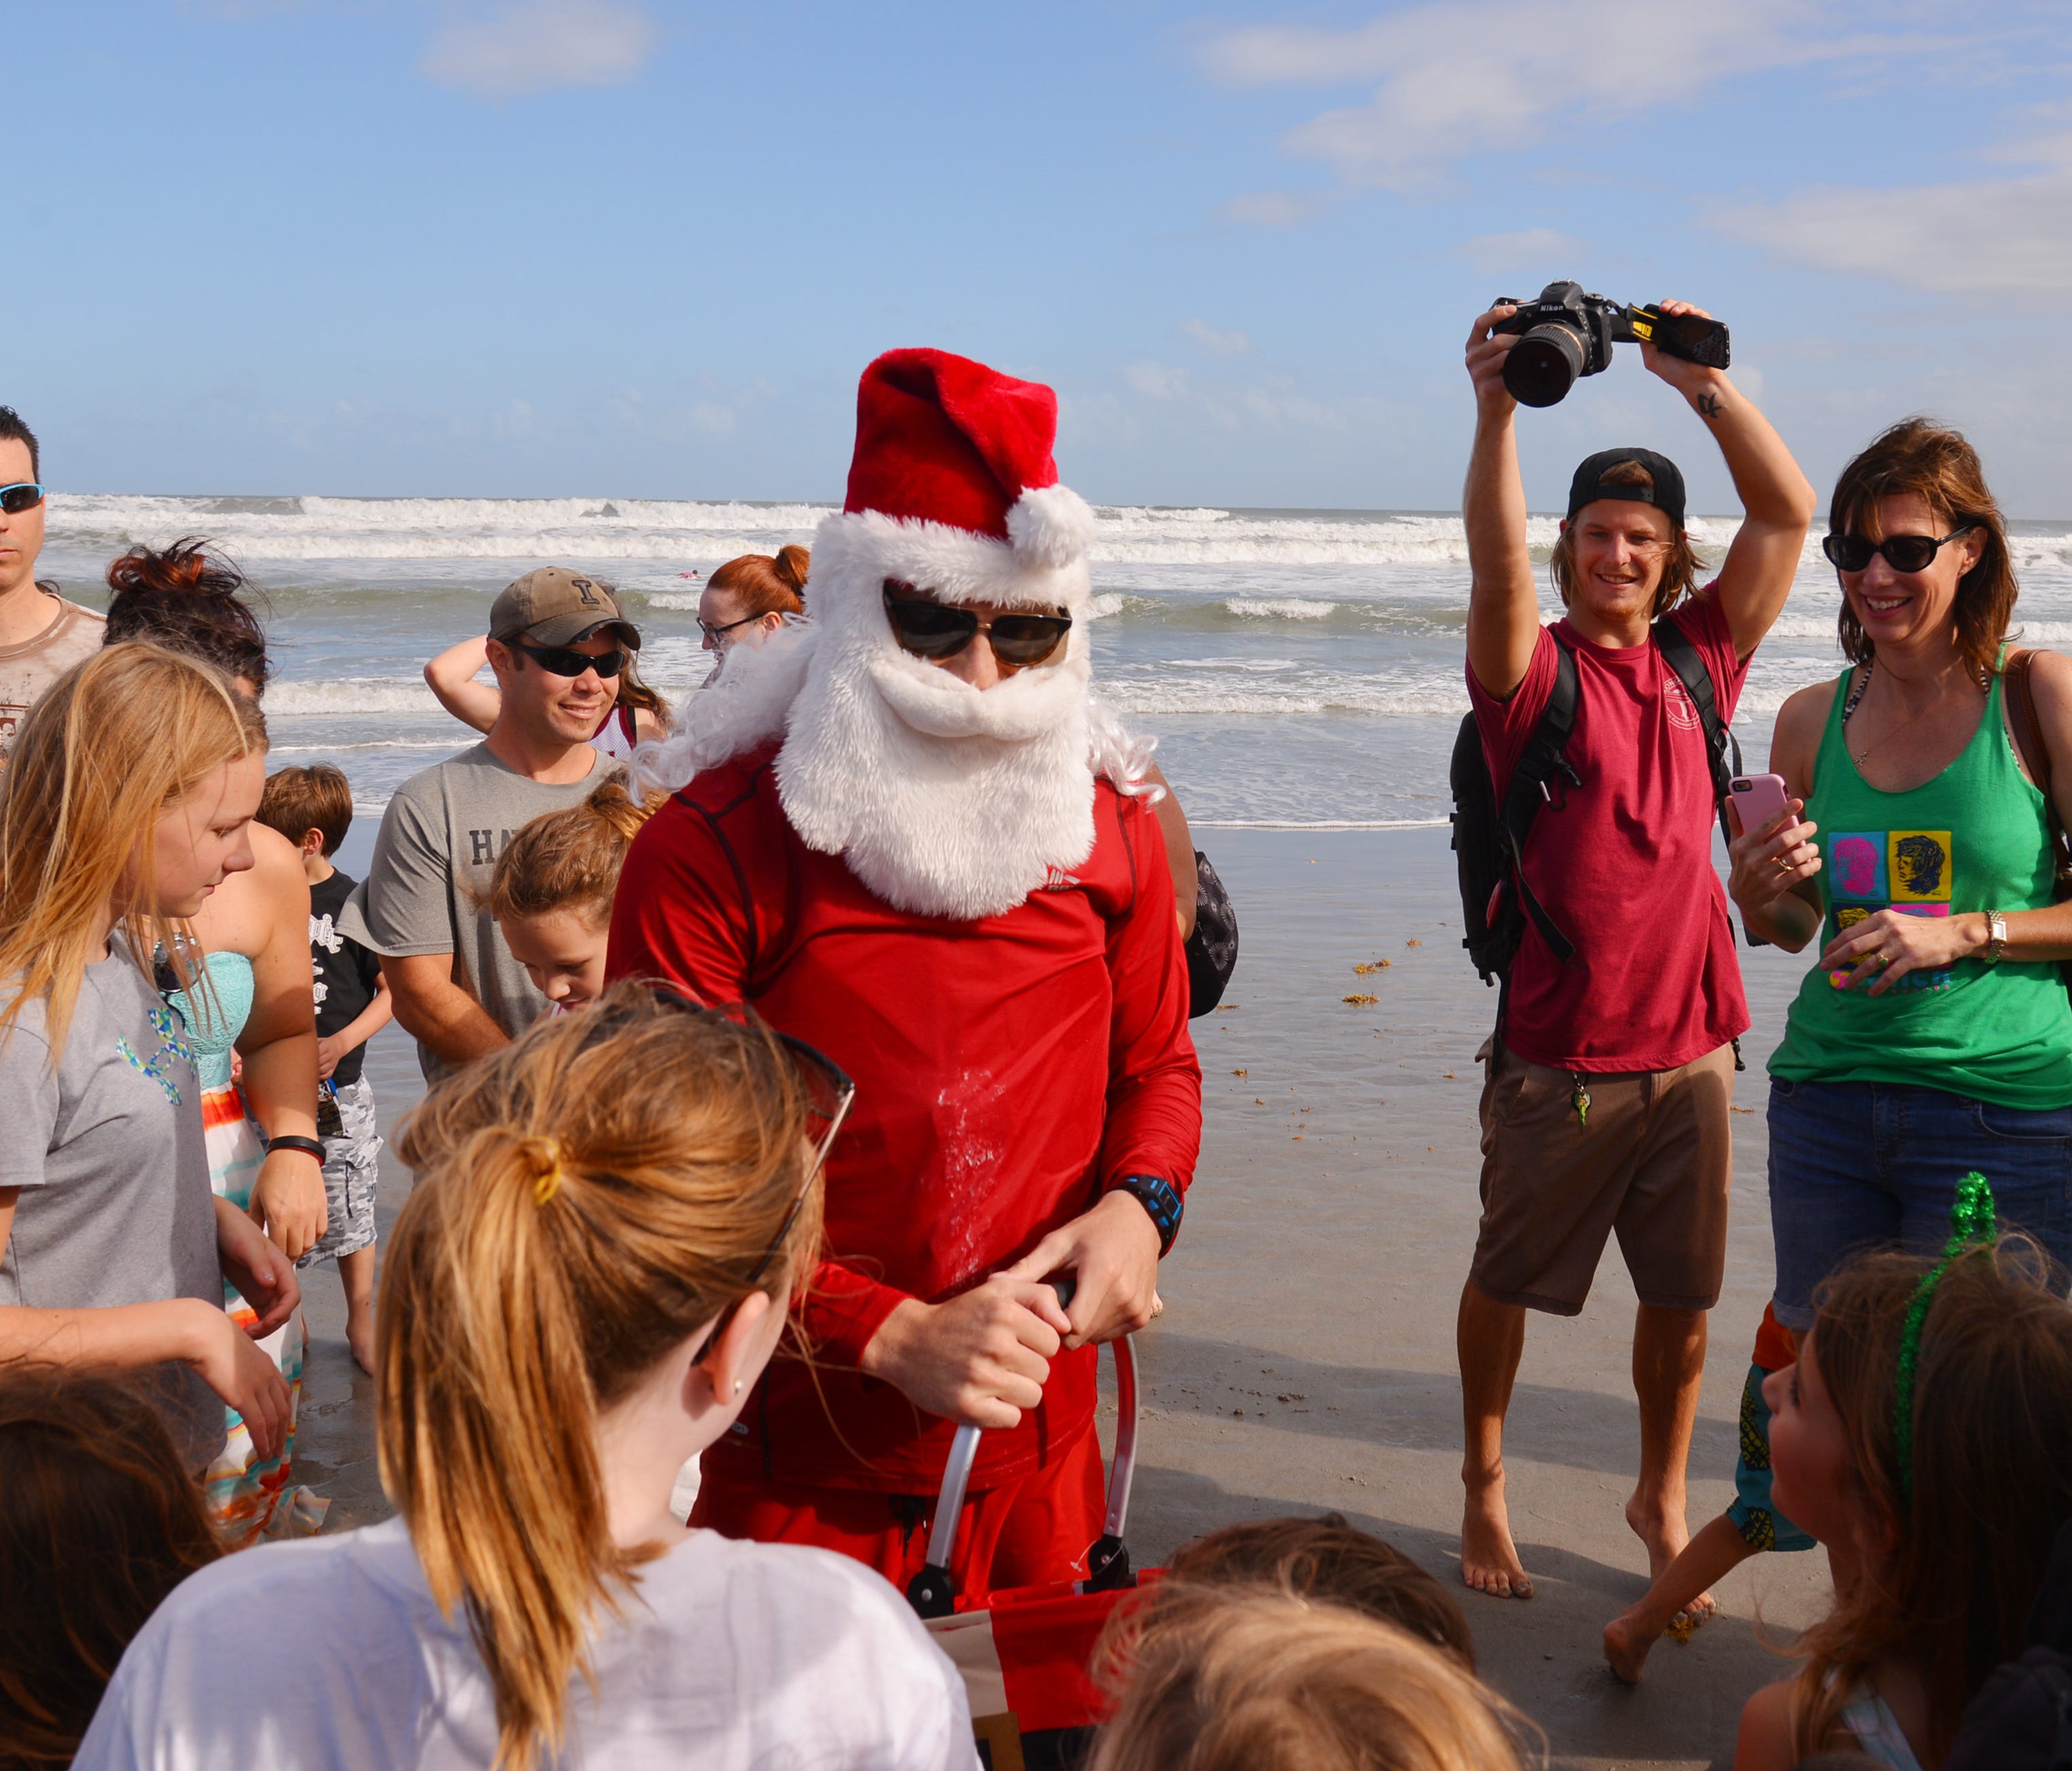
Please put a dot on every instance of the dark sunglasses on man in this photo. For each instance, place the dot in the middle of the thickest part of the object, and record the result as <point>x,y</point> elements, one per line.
<point>1902,553</point>
<point>941,630</point>
<point>566,661</point>
<point>24,494</point>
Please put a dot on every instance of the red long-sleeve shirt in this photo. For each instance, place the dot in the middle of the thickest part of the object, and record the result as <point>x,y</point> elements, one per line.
<point>1008,1071</point>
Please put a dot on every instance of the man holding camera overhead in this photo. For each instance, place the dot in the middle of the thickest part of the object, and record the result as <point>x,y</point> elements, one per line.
<point>1605,1098</point>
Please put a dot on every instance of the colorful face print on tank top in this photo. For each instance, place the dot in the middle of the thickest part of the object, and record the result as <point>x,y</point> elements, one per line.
<point>1904,870</point>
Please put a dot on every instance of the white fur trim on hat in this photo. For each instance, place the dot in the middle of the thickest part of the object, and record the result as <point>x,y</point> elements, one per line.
<point>1050,525</point>
<point>855,551</point>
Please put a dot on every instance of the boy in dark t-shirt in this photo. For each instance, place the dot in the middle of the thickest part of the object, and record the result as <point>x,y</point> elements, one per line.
<point>313,809</point>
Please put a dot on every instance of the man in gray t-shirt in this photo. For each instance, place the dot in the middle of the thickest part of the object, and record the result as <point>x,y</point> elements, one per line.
<point>558,643</point>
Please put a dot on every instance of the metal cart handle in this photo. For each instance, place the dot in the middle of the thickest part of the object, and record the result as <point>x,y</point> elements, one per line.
<point>933,1591</point>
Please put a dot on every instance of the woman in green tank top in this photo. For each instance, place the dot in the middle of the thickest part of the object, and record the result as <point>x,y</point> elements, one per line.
<point>1933,1034</point>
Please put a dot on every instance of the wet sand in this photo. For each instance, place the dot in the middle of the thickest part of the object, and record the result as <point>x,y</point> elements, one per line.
<point>1305,1359</point>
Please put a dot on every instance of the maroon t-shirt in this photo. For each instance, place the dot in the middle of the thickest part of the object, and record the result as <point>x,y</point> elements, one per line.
<point>1625,867</point>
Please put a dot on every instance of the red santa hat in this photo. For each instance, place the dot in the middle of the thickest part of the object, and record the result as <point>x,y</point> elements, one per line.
<point>953,490</point>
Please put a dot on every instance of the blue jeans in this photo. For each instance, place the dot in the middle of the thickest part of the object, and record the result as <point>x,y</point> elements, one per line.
<point>1855,1165</point>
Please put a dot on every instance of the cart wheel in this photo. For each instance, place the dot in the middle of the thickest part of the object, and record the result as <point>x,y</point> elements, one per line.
<point>932,1592</point>
<point>1107,1567</point>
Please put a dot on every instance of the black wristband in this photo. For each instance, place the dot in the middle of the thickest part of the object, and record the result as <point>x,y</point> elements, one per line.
<point>290,1141</point>
<point>1161,1199</point>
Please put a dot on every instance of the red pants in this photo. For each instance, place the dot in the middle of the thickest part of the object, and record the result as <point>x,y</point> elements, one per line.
<point>1025,1534</point>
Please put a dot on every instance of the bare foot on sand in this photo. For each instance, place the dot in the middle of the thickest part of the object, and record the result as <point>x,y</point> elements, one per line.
<point>1665,1534</point>
<point>1628,1636</point>
<point>1489,1559</point>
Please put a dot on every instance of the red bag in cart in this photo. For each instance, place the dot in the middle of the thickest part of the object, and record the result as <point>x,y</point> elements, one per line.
<point>1026,1653</point>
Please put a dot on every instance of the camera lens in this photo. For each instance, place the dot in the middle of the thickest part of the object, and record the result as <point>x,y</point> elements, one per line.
<point>1543,365</point>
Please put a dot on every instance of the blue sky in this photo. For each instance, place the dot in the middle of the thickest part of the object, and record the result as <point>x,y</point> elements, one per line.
<point>640,247</point>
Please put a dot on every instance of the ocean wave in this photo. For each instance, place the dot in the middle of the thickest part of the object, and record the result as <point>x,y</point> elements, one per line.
<point>1287,608</point>
<point>351,695</point>
<point>315,528</point>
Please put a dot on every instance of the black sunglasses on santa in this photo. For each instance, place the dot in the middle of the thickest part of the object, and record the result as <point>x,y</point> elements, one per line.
<point>941,629</point>
<point>830,1096</point>
<point>566,661</point>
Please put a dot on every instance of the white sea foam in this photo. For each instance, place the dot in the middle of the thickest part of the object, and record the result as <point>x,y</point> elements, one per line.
<point>1285,608</point>
<point>351,695</point>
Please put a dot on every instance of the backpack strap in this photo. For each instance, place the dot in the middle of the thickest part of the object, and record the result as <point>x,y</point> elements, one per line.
<point>1538,764</point>
<point>2024,722</point>
<point>1681,654</point>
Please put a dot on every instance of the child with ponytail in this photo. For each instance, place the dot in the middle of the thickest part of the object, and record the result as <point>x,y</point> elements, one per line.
<point>551,894</point>
<point>609,1219</point>
<point>1924,1436</point>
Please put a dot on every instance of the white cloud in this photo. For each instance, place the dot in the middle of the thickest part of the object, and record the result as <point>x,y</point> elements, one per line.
<point>1525,255</point>
<point>1996,237</point>
<point>1276,208</point>
<point>1466,76</point>
<point>1155,381</point>
<point>534,46</point>
<point>1215,342</point>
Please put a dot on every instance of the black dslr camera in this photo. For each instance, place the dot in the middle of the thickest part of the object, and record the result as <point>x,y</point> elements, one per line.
<point>1567,334</point>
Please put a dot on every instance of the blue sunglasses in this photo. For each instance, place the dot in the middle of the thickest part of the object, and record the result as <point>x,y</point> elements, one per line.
<point>24,494</point>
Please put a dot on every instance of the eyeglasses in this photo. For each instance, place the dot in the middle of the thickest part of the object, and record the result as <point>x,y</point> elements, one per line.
<point>1902,553</point>
<point>566,661</point>
<point>24,494</point>
<point>712,634</point>
<point>830,1096</point>
<point>941,630</point>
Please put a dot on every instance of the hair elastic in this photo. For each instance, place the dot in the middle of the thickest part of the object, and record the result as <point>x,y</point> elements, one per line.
<point>547,1181</point>
<point>1972,1223</point>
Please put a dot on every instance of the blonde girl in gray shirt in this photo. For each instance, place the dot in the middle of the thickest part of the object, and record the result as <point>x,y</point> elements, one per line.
<point>127,800</point>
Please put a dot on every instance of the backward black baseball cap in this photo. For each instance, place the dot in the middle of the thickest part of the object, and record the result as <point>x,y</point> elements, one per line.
<point>1666,495</point>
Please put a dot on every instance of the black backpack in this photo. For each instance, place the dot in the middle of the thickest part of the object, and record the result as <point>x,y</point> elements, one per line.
<point>2021,1718</point>
<point>1490,835</point>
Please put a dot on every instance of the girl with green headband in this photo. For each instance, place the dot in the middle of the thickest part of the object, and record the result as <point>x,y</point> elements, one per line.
<point>1924,1436</point>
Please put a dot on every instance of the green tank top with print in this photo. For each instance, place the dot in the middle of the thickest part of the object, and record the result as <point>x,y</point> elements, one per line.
<point>1972,839</point>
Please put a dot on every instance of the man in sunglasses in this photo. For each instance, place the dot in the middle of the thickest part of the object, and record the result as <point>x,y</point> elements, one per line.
<point>558,641</point>
<point>42,636</point>
<point>1605,1102</point>
<point>907,839</point>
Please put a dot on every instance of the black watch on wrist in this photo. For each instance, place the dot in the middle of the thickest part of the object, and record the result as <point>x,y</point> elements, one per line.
<point>308,1146</point>
<point>1161,1199</point>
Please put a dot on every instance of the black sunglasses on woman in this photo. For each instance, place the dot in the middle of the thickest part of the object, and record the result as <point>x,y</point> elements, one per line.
<point>1902,553</point>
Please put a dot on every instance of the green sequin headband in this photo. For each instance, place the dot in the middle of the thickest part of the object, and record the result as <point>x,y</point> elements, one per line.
<point>1970,1222</point>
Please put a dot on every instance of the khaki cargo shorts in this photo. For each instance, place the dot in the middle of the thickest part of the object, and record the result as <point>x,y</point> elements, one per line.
<point>1653,1162</point>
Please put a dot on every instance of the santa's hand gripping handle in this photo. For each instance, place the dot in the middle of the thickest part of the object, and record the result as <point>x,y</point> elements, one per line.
<point>933,1591</point>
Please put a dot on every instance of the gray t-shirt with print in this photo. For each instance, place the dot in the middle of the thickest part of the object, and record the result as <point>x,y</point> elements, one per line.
<point>115,1205</point>
<point>28,669</point>
<point>426,889</point>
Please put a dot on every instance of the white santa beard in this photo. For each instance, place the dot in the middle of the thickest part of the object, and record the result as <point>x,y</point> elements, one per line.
<point>945,799</point>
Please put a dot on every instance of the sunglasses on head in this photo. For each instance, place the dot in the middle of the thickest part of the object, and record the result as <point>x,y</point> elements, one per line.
<point>566,661</point>
<point>24,494</point>
<point>1902,553</point>
<point>941,630</point>
<point>830,1096</point>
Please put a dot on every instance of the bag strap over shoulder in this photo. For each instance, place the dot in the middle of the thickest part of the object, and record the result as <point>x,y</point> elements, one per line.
<point>2021,690</point>
<point>1681,654</point>
<point>2027,727</point>
<point>1539,762</point>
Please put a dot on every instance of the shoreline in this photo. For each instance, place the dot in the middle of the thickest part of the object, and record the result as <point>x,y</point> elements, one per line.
<point>1305,1361</point>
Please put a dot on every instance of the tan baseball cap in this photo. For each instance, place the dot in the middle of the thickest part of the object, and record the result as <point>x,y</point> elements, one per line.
<point>554,606</point>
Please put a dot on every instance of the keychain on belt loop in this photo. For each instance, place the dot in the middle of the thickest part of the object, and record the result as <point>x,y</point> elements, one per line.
<point>1580,1098</point>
